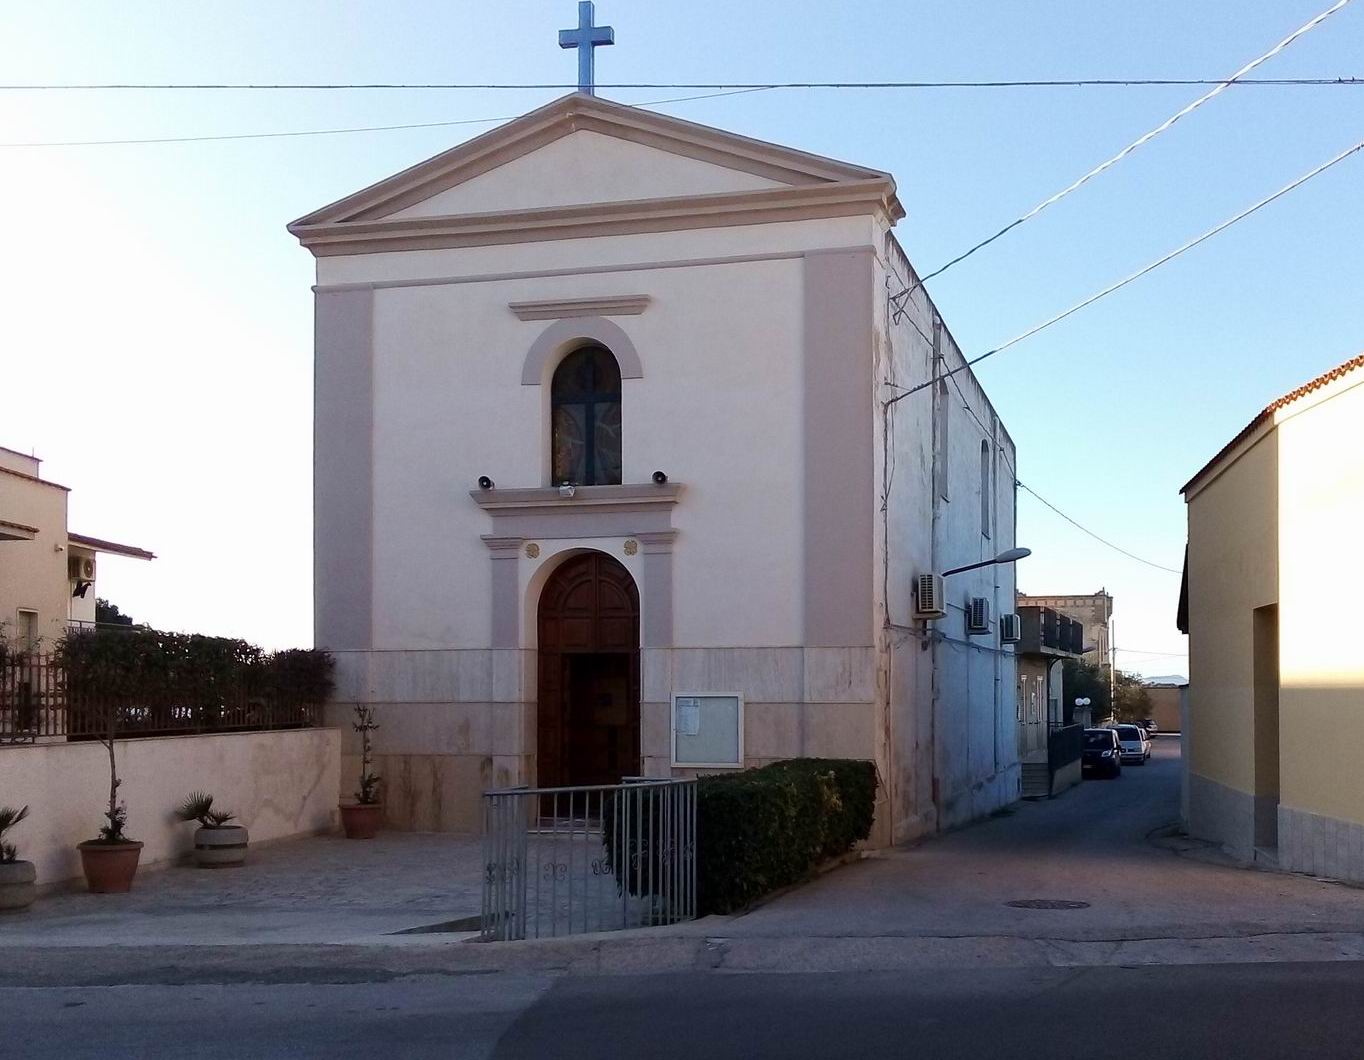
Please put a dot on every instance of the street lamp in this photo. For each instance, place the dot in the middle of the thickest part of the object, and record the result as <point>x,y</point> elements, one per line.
<point>1012,555</point>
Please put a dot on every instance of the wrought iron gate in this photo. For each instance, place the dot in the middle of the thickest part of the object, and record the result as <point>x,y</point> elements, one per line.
<point>564,861</point>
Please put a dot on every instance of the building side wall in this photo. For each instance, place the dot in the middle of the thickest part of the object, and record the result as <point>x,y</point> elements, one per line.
<point>1233,570</point>
<point>1165,701</point>
<point>1321,668</point>
<point>951,705</point>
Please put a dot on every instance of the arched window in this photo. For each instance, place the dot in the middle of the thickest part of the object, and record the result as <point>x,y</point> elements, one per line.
<point>985,488</point>
<point>585,419</point>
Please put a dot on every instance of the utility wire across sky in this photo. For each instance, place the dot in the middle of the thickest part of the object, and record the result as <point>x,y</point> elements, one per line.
<point>898,301</point>
<point>1078,82</point>
<point>1111,288</point>
<point>1091,533</point>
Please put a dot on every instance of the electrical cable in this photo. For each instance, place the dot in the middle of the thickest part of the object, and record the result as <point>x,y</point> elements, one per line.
<point>334,132</point>
<point>1138,142</point>
<point>1113,287</point>
<point>1091,533</point>
<point>1075,82</point>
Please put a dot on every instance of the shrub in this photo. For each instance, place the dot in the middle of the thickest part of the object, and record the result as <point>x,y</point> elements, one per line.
<point>758,830</point>
<point>768,828</point>
<point>198,680</point>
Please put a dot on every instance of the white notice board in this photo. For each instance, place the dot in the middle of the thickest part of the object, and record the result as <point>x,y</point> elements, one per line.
<point>708,730</point>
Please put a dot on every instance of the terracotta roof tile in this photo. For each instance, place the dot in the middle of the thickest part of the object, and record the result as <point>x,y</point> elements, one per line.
<point>1274,406</point>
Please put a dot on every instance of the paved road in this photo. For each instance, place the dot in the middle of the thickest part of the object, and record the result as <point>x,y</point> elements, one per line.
<point>971,974</point>
<point>1093,844</point>
<point>1252,1012</point>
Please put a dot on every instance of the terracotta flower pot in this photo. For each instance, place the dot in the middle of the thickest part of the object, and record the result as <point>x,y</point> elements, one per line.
<point>361,820</point>
<point>17,886</point>
<point>221,847</point>
<point>109,867</point>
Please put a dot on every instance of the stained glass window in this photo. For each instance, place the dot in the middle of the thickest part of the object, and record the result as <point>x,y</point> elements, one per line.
<point>585,425</point>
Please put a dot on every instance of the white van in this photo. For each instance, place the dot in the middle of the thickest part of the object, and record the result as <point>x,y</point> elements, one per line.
<point>1135,742</point>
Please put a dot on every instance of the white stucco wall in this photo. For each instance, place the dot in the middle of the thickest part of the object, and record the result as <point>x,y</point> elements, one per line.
<point>450,406</point>
<point>953,731</point>
<point>278,783</point>
<point>584,167</point>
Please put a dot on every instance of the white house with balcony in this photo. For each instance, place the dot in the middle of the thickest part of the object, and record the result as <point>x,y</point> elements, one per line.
<point>48,575</point>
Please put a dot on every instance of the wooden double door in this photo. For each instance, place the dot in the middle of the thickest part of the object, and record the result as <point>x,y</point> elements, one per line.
<point>588,687</point>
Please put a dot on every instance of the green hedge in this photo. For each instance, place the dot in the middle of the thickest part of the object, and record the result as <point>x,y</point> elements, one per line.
<point>183,680</point>
<point>768,828</point>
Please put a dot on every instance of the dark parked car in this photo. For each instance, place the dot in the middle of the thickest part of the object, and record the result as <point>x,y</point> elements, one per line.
<point>1102,755</point>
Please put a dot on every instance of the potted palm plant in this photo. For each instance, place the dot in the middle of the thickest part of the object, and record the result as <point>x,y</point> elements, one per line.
<point>217,842</point>
<point>110,862</point>
<point>361,819</point>
<point>17,878</point>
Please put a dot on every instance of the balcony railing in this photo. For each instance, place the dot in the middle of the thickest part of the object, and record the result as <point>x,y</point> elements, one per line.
<point>1048,632</point>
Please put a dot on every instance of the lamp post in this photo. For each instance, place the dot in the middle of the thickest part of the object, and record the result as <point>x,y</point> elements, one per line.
<point>1012,555</point>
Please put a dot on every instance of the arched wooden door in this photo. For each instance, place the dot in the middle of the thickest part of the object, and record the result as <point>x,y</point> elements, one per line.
<point>588,702</point>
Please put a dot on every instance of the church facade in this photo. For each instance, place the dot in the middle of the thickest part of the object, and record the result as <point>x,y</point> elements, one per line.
<point>609,482</point>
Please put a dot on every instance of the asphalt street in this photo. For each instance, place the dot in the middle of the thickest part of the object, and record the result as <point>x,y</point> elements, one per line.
<point>1168,950</point>
<point>1252,1012</point>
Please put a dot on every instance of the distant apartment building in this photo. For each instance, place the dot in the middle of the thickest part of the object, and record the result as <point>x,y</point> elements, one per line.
<point>1049,755</point>
<point>1276,675</point>
<point>47,573</point>
<point>1094,612</point>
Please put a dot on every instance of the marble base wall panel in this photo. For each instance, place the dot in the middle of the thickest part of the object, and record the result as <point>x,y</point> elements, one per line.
<point>1222,815</point>
<point>1320,845</point>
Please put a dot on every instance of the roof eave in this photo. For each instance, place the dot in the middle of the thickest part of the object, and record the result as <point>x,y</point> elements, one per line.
<point>572,112</point>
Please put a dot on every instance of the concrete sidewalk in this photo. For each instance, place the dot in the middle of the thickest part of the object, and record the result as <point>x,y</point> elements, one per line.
<point>320,890</point>
<point>326,910</point>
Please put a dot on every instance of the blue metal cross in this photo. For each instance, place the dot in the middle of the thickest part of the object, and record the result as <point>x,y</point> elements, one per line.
<point>586,38</point>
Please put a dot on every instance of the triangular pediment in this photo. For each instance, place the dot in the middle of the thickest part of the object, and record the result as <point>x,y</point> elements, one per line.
<point>581,152</point>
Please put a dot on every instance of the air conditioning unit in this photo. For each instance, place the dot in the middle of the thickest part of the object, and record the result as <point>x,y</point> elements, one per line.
<point>978,615</point>
<point>928,597</point>
<point>1010,629</point>
<point>80,568</point>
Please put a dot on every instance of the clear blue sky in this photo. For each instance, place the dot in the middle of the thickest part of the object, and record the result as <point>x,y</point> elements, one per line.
<point>157,326</point>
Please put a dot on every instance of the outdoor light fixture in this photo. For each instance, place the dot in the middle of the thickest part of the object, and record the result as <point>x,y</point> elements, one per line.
<point>1083,701</point>
<point>484,482</point>
<point>659,478</point>
<point>1013,555</point>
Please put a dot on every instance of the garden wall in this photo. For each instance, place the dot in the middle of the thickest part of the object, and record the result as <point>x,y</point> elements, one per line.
<point>279,783</point>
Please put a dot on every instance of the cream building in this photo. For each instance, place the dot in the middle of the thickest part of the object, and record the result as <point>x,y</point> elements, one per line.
<point>47,574</point>
<point>702,334</point>
<point>1276,678</point>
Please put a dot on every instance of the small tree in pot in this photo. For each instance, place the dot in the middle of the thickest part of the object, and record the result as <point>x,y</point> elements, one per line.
<point>18,885</point>
<point>110,862</point>
<point>362,818</point>
<point>102,682</point>
<point>217,842</point>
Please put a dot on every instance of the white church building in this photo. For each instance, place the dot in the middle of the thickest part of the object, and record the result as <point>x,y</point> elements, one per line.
<point>609,483</point>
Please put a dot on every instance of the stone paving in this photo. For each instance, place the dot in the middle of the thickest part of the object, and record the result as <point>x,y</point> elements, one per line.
<point>321,889</point>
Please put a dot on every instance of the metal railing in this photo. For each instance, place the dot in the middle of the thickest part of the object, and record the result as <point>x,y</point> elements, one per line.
<point>32,698</point>
<point>565,861</point>
<point>37,702</point>
<point>1064,746</point>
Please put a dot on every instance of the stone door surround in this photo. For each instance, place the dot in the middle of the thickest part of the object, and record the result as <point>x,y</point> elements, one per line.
<point>631,510</point>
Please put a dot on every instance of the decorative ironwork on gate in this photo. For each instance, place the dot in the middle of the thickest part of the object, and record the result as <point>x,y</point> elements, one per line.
<point>564,861</point>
